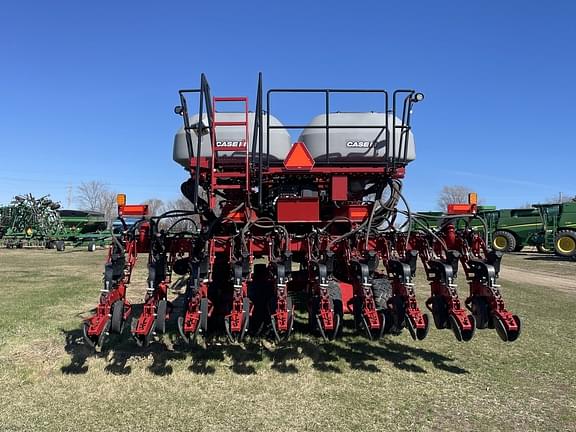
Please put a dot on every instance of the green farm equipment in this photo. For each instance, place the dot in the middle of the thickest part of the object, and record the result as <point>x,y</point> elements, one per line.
<point>84,228</point>
<point>28,221</point>
<point>32,222</point>
<point>558,231</point>
<point>513,229</point>
<point>548,227</point>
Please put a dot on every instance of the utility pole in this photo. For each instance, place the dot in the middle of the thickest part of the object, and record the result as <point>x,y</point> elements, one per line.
<point>69,196</point>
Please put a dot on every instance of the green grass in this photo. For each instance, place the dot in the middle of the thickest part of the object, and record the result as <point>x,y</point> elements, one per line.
<point>50,381</point>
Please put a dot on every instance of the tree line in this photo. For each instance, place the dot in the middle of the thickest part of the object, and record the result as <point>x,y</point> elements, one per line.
<point>98,197</point>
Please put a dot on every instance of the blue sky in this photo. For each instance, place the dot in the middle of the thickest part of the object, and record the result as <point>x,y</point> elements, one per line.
<point>87,89</point>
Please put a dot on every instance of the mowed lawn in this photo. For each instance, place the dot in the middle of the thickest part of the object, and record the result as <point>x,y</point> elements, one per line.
<point>50,381</point>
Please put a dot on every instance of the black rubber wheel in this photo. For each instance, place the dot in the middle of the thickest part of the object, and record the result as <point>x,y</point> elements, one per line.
<point>91,342</point>
<point>382,291</point>
<point>462,335</point>
<point>418,334</point>
<point>187,338</point>
<point>336,296</point>
<point>500,329</point>
<point>91,247</point>
<point>479,308</point>
<point>246,314</point>
<point>50,244</point>
<point>261,294</point>
<point>60,246</point>
<point>565,243</point>
<point>439,312</point>
<point>117,320</point>
<point>161,316</point>
<point>204,314</point>
<point>503,241</point>
<point>505,335</point>
<point>397,315</point>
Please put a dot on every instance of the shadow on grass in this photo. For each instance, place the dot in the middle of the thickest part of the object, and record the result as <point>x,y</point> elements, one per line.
<point>117,352</point>
<point>245,359</point>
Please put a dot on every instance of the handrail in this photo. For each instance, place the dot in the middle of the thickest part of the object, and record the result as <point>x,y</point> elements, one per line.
<point>327,126</point>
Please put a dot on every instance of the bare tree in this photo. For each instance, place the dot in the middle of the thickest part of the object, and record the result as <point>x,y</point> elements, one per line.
<point>108,206</point>
<point>89,196</point>
<point>180,204</point>
<point>155,206</point>
<point>95,196</point>
<point>453,195</point>
<point>560,198</point>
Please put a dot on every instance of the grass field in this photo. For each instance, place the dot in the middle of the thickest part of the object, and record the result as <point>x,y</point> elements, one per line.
<point>50,381</point>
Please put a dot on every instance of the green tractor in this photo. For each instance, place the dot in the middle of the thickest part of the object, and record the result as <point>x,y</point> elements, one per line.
<point>558,231</point>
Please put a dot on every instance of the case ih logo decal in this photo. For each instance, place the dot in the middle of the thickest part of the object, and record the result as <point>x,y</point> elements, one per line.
<point>231,144</point>
<point>358,144</point>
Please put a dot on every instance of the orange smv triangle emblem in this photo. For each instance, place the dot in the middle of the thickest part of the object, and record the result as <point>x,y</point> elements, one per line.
<point>298,158</point>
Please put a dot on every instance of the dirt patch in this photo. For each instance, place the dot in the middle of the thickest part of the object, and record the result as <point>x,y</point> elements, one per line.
<point>558,282</point>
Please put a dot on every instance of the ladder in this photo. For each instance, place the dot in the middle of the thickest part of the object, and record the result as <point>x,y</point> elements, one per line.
<point>229,171</point>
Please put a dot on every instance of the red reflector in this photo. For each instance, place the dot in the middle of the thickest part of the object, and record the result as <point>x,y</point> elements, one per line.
<point>133,210</point>
<point>299,158</point>
<point>460,208</point>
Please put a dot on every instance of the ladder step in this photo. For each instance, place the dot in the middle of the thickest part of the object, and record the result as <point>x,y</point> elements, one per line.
<point>230,99</point>
<point>227,186</point>
<point>229,123</point>
<point>229,175</point>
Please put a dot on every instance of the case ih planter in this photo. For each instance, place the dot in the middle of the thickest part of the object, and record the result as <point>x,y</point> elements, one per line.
<point>275,221</point>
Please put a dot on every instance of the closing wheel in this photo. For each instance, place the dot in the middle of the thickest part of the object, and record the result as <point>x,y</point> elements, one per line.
<point>507,335</point>
<point>315,319</point>
<point>565,243</point>
<point>237,337</point>
<point>245,316</point>
<point>95,342</point>
<point>91,247</point>
<point>462,335</point>
<point>398,314</point>
<point>503,241</point>
<point>416,333</point>
<point>161,316</point>
<point>333,333</point>
<point>282,335</point>
<point>190,337</point>
<point>117,320</point>
<point>542,249</point>
<point>60,246</point>
<point>90,340</point>
<point>143,340</point>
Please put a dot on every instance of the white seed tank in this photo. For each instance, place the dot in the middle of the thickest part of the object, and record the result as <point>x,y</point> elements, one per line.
<point>280,141</point>
<point>358,144</point>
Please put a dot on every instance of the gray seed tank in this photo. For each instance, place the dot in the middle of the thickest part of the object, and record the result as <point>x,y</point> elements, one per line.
<point>280,141</point>
<point>358,144</point>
